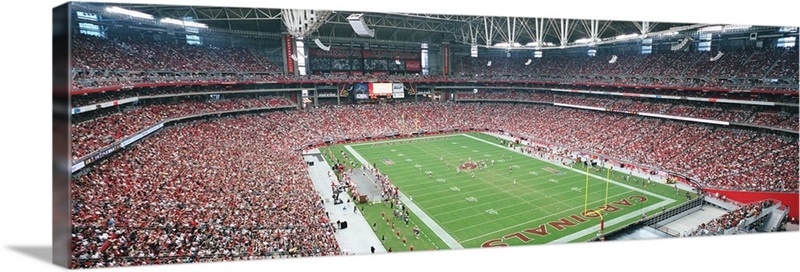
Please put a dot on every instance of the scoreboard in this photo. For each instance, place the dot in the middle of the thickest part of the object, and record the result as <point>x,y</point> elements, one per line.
<point>374,90</point>
<point>380,89</point>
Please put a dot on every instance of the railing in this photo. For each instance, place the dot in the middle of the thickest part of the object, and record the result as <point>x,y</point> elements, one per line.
<point>645,114</point>
<point>764,212</point>
<point>413,79</point>
<point>672,213</point>
<point>103,152</point>
<point>775,220</point>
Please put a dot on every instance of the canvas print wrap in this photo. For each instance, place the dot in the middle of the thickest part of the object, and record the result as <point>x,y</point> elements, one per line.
<point>208,134</point>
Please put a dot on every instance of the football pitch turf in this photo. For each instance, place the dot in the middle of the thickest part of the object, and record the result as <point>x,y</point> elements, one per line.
<point>519,200</point>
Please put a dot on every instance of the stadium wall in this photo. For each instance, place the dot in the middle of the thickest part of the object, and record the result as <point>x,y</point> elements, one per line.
<point>786,199</point>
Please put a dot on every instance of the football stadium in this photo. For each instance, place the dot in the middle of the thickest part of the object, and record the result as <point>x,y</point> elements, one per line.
<point>208,134</point>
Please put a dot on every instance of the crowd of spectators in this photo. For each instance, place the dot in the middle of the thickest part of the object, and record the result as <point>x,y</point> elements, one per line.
<point>754,66</point>
<point>185,196</point>
<point>92,134</point>
<point>786,66</point>
<point>96,98</point>
<point>134,61</point>
<point>721,112</point>
<point>234,188</point>
<point>730,220</point>
<point>663,69</point>
<point>667,144</point>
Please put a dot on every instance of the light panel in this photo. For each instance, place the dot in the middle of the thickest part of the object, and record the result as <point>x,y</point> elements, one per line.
<point>131,13</point>
<point>183,23</point>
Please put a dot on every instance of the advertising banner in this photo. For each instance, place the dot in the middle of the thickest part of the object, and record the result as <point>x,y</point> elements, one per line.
<point>345,89</point>
<point>334,53</point>
<point>446,53</point>
<point>376,65</point>
<point>287,39</point>
<point>397,65</point>
<point>361,90</point>
<point>398,90</point>
<point>383,54</point>
<point>320,64</point>
<point>411,88</point>
<point>413,65</point>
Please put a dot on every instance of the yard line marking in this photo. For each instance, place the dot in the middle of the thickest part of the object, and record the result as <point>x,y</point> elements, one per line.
<point>492,185</point>
<point>402,140</point>
<point>574,170</point>
<point>506,191</point>
<point>511,206</point>
<point>534,181</point>
<point>446,238</point>
<point>526,222</point>
<point>539,191</point>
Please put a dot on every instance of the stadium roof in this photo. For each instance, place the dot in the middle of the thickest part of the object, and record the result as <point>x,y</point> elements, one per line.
<point>415,28</point>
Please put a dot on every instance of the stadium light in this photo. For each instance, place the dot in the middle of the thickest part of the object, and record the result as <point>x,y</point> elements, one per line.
<point>505,44</point>
<point>532,44</point>
<point>711,28</point>
<point>183,23</point>
<point>626,36</point>
<point>735,27</point>
<point>584,40</point>
<point>131,13</point>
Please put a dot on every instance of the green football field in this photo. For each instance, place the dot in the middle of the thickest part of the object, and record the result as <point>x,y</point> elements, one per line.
<point>519,200</point>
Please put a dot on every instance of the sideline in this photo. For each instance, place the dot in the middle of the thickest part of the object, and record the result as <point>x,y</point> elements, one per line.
<point>446,238</point>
